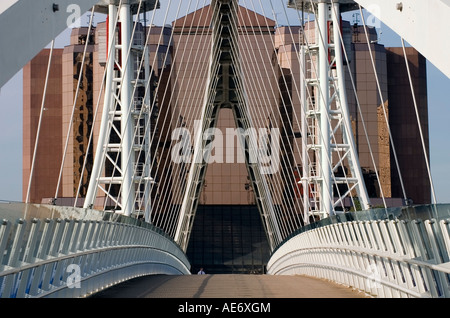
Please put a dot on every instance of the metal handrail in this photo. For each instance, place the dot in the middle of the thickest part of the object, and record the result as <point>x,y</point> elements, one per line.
<point>43,257</point>
<point>410,258</point>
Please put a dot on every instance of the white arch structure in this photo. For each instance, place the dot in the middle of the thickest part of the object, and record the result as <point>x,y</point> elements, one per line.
<point>43,20</point>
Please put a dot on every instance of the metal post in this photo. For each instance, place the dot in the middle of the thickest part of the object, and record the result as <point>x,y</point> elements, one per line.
<point>324,107</point>
<point>148,183</point>
<point>127,125</point>
<point>304,120</point>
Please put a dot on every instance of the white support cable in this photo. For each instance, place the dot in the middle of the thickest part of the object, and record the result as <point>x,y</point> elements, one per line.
<point>179,169</point>
<point>383,106</point>
<point>165,216</point>
<point>74,103</point>
<point>275,223</point>
<point>166,184</point>
<point>240,70</point>
<point>167,203</point>
<point>290,98</point>
<point>419,124</point>
<point>275,190</point>
<point>41,114</point>
<point>157,167</point>
<point>291,167</point>
<point>212,85</point>
<point>184,225</point>
<point>279,192</point>
<point>179,195</point>
<point>257,118</point>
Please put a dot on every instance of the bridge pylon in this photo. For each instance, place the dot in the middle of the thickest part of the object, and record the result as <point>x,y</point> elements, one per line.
<point>225,89</point>
<point>327,140</point>
<point>124,132</point>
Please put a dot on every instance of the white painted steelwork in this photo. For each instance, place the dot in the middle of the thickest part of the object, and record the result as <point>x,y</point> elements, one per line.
<point>423,24</point>
<point>384,258</point>
<point>326,118</point>
<point>121,102</point>
<point>224,63</point>
<point>26,27</point>
<point>67,258</point>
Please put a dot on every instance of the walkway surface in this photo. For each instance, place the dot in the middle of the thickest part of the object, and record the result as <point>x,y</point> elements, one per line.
<point>228,286</point>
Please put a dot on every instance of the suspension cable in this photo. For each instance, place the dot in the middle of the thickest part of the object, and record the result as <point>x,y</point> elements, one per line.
<point>161,219</point>
<point>383,105</point>
<point>419,123</point>
<point>75,102</point>
<point>27,200</point>
<point>288,164</point>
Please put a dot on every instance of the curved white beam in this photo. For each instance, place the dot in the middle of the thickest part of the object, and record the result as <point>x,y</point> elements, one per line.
<point>423,24</point>
<point>28,26</point>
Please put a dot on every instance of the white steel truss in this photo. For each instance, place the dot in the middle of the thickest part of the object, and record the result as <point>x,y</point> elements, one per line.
<point>326,122</point>
<point>125,115</point>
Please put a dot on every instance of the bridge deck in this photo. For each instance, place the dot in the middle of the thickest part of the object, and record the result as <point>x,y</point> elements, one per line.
<point>229,286</point>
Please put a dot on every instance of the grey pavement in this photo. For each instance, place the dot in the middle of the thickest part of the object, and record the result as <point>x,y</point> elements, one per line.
<point>229,286</point>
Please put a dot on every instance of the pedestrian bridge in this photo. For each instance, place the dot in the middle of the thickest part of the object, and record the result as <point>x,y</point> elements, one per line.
<point>150,198</point>
<point>229,286</point>
<point>67,252</point>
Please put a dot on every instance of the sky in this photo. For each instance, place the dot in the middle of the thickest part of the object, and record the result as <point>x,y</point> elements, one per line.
<point>438,101</point>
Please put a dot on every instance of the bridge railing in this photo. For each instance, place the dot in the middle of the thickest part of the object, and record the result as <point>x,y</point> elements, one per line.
<point>49,251</point>
<point>403,254</point>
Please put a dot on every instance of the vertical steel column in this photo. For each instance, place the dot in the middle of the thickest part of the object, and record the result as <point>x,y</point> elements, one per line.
<point>148,148</point>
<point>127,123</point>
<point>304,120</point>
<point>108,99</point>
<point>347,132</point>
<point>324,107</point>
